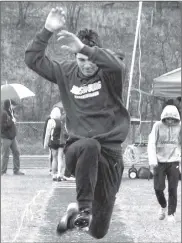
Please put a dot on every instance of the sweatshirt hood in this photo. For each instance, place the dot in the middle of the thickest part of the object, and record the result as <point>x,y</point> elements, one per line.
<point>170,111</point>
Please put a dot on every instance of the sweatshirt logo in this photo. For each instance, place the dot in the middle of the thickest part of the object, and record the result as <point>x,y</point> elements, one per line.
<point>86,91</point>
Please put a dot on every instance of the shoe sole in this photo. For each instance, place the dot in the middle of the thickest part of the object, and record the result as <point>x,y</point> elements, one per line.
<point>162,217</point>
<point>83,223</point>
<point>63,224</point>
<point>171,220</point>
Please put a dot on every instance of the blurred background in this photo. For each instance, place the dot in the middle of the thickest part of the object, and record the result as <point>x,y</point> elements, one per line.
<point>160,49</point>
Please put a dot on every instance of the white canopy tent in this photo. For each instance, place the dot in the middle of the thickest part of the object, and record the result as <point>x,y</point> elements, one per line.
<point>168,85</point>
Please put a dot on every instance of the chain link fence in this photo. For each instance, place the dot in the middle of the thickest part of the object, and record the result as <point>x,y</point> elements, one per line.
<point>30,137</point>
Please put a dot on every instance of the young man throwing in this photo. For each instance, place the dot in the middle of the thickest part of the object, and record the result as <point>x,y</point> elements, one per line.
<point>96,120</point>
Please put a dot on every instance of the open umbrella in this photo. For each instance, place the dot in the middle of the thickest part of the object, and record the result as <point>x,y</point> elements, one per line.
<point>15,91</point>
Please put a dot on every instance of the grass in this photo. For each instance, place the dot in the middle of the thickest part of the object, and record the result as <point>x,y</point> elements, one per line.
<point>136,208</point>
<point>23,199</point>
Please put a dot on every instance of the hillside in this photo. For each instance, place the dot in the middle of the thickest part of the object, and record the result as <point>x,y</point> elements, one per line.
<point>115,22</point>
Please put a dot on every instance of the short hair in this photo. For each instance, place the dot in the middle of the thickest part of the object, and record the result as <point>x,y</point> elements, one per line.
<point>89,37</point>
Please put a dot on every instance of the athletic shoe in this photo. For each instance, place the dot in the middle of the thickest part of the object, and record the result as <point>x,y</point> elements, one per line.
<point>68,178</point>
<point>162,213</point>
<point>171,218</point>
<point>67,221</point>
<point>54,177</point>
<point>19,173</point>
<point>60,178</point>
<point>50,172</point>
<point>83,219</point>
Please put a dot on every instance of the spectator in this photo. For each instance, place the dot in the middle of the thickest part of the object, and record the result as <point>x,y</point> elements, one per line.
<point>164,153</point>
<point>52,140</point>
<point>63,137</point>
<point>8,139</point>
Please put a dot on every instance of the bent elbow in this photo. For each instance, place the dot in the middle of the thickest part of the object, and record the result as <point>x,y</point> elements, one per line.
<point>119,67</point>
<point>28,60</point>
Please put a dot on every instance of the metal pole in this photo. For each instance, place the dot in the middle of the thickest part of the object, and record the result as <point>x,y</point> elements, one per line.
<point>133,55</point>
<point>152,118</point>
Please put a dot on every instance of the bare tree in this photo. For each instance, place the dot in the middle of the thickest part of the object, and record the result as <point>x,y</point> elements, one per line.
<point>22,8</point>
<point>73,14</point>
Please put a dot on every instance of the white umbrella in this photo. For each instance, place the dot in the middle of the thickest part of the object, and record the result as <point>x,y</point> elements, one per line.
<point>15,91</point>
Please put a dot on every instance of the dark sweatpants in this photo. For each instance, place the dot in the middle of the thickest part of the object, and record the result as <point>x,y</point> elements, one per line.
<point>98,171</point>
<point>171,170</point>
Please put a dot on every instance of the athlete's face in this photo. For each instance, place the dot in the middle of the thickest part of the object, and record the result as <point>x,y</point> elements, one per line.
<point>87,67</point>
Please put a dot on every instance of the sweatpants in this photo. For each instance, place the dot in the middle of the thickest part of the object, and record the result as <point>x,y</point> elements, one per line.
<point>6,146</point>
<point>98,171</point>
<point>171,170</point>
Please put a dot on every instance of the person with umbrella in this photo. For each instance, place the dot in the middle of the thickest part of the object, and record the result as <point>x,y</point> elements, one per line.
<point>8,139</point>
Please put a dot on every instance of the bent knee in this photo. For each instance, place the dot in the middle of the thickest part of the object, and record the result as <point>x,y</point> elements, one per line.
<point>172,190</point>
<point>90,143</point>
<point>16,153</point>
<point>159,191</point>
<point>97,234</point>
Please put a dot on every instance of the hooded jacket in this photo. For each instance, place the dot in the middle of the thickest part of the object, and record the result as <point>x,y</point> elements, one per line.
<point>164,144</point>
<point>8,128</point>
<point>93,105</point>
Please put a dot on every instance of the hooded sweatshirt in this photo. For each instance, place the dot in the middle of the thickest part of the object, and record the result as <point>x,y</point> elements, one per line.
<point>8,128</point>
<point>93,105</point>
<point>164,144</point>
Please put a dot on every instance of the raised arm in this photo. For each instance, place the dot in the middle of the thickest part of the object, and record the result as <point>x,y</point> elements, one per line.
<point>35,56</point>
<point>103,58</point>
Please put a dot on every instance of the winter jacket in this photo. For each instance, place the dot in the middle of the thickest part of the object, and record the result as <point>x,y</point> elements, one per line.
<point>164,144</point>
<point>8,128</point>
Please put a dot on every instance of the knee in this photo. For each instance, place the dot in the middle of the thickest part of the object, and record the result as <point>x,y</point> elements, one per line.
<point>172,190</point>
<point>16,153</point>
<point>91,144</point>
<point>99,226</point>
<point>158,191</point>
<point>97,233</point>
<point>5,155</point>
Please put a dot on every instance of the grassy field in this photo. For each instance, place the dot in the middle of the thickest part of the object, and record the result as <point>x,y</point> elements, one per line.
<point>139,211</point>
<point>24,201</point>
